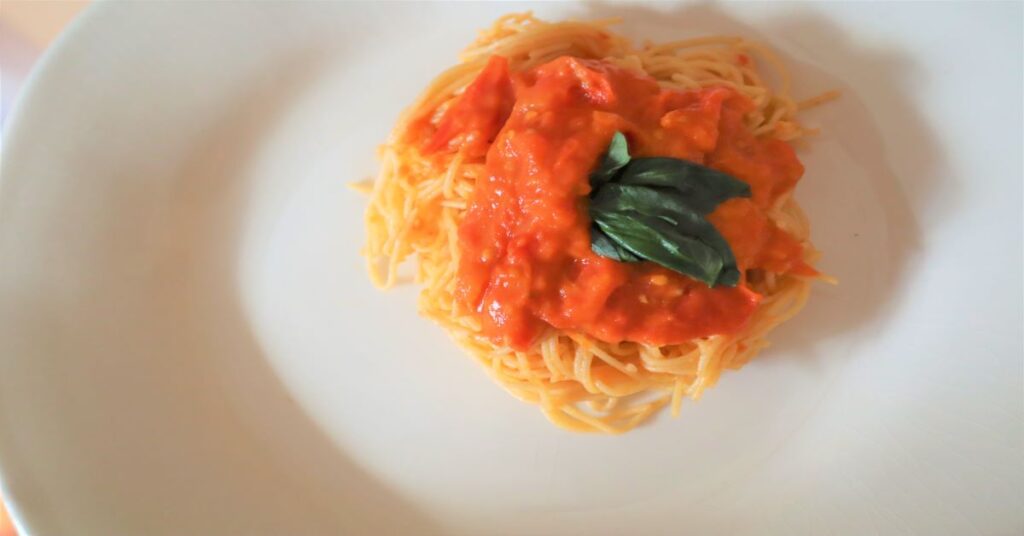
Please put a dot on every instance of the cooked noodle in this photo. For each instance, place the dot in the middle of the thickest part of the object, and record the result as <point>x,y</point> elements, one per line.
<point>580,383</point>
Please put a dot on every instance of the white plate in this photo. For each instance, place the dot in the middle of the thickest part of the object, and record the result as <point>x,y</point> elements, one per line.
<point>188,343</point>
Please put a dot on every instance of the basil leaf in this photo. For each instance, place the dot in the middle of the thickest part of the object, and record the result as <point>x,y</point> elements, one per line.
<point>729,277</point>
<point>704,188</point>
<point>659,201</point>
<point>654,209</point>
<point>690,223</point>
<point>614,159</point>
<point>657,240</point>
<point>670,206</point>
<point>606,247</point>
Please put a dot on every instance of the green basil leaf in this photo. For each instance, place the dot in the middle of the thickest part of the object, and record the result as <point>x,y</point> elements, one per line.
<point>614,160</point>
<point>662,202</point>
<point>606,247</point>
<point>670,206</point>
<point>657,240</point>
<point>690,223</point>
<point>729,277</point>
<point>704,188</point>
<point>654,209</point>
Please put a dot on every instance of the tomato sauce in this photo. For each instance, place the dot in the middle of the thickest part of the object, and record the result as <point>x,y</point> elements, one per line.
<point>526,261</point>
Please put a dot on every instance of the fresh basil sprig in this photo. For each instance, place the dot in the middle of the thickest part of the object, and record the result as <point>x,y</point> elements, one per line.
<point>653,209</point>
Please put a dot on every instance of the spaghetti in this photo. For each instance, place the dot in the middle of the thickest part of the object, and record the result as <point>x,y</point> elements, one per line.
<point>581,382</point>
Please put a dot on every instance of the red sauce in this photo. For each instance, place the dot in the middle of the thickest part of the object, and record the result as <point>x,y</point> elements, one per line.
<point>526,261</point>
<point>479,113</point>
